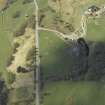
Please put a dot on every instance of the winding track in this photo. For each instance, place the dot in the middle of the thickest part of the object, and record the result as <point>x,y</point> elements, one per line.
<point>81,32</point>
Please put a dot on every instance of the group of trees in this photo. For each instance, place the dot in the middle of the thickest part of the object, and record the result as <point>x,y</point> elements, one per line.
<point>96,63</point>
<point>90,64</point>
<point>96,69</point>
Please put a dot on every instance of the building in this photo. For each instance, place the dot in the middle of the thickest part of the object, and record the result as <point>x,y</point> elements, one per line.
<point>93,9</point>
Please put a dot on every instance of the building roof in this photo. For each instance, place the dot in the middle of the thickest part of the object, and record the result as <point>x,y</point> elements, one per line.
<point>93,8</point>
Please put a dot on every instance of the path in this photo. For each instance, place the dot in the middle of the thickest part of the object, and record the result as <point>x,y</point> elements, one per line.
<point>37,60</point>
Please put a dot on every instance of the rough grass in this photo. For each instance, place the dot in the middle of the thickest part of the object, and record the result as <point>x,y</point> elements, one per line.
<point>21,95</point>
<point>96,30</point>
<point>7,26</point>
<point>74,93</point>
<point>70,11</point>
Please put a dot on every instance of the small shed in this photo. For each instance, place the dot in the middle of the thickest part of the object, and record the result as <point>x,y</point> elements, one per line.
<point>93,8</point>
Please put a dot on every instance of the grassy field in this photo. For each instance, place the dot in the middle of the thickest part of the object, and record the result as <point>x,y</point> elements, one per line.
<point>96,30</point>
<point>74,93</point>
<point>55,58</point>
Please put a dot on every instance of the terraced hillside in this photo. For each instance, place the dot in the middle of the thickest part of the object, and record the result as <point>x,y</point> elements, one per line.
<point>64,16</point>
